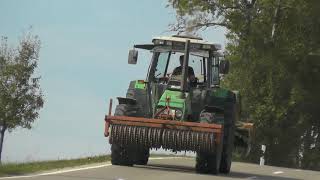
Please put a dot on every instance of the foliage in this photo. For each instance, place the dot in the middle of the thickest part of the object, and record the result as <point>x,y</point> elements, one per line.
<point>20,94</point>
<point>274,49</point>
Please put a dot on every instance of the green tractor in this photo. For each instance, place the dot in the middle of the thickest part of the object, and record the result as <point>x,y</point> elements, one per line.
<point>179,107</point>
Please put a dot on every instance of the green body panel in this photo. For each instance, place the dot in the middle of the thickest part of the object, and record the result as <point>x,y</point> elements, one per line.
<point>220,92</point>
<point>140,85</point>
<point>141,96</point>
<point>195,101</point>
<point>213,97</point>
<point>175,99</point>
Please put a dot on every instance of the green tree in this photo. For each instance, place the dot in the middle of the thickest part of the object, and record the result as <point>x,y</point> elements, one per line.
<point>20,93</point>
<point>274,48</point>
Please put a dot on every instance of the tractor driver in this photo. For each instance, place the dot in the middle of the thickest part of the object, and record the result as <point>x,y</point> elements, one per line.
<point>178,70</point>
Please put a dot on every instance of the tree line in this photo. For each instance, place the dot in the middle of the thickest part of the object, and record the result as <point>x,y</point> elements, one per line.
<point>274,49</point>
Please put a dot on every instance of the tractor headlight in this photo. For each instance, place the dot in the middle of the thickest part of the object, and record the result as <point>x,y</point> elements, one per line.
<point>169,113</point>
<point>178,113</point>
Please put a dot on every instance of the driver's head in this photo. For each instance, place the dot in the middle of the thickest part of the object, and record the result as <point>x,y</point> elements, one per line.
<point>181,59</point>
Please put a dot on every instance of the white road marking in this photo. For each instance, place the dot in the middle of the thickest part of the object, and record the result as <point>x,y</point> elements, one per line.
<point>277,172</point>
<point>252,177</point>
<point>58,172</point>
<point>155,158</point>
<point>73,169</point>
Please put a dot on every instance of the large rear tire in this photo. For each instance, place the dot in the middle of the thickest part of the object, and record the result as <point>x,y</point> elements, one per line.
<point>120,154</point>
<point>142,156</point>
<point>202,163</point>
<point>226,156</point>
<point>209,162</point>
<point>228,139</point>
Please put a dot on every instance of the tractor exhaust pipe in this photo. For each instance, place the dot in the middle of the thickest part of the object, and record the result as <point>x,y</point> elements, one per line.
<point>185,67</point>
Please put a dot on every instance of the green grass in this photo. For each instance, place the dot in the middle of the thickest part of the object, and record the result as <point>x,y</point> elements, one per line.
<point>14,169</point>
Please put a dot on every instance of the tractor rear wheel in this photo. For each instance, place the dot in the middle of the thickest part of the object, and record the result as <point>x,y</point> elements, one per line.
<point>208,163</point>
<point>122,154</point>
<point>228,140</point>
<point>201,163</point>
<point>226,157</point>
<point>142,156</point>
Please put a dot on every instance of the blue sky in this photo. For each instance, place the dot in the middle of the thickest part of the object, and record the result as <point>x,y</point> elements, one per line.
<point>83,63</point>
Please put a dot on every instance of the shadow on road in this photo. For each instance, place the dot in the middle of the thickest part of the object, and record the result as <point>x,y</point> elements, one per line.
<point>242,175</point>
<point>174,168</point>
<point>232,174</point>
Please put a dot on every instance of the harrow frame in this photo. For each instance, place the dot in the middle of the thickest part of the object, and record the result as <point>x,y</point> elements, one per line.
<point>204,130</point>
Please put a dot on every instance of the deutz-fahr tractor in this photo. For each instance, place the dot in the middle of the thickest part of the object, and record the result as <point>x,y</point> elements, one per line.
<point>180,106</point>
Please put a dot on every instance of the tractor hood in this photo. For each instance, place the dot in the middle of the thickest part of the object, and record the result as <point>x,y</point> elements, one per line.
<point>173,99</point>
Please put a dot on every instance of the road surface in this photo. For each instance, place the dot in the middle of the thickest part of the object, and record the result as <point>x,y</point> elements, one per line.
<point>172,168</point>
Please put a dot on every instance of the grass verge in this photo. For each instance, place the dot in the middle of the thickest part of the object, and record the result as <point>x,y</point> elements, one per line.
<point>14,169</point>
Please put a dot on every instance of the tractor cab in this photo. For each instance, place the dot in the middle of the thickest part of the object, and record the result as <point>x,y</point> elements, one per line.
<point>182,68</point>
<point>177,54</point>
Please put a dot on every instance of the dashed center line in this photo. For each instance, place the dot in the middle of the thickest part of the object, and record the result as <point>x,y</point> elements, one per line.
<point>278,172</point>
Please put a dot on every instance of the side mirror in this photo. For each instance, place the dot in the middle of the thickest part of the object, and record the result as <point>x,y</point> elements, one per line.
<point>224,67</point>
<point>133,56</point>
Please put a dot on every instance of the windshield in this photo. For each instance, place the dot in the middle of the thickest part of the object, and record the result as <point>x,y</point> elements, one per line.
<point>215,71</point>
<point>162,64</point>
<point>170,63</point>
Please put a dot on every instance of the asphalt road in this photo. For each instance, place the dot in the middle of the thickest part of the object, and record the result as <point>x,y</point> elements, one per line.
<point>172,168</point>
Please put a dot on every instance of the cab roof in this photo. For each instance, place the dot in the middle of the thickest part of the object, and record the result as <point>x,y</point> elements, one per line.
<point>179,40</point>
<point>183,39</point>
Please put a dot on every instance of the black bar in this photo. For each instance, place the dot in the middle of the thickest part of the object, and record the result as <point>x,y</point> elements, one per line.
<point>209,69</point>
<point>185,67</point>
<point>204,70</point>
